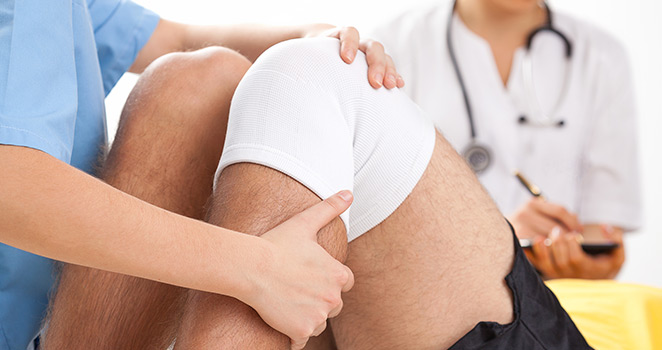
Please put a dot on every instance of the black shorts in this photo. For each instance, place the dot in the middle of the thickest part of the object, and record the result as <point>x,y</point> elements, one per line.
<point>540,321</point>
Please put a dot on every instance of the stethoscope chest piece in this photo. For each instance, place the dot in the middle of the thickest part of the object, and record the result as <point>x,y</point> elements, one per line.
<point>478,157</point>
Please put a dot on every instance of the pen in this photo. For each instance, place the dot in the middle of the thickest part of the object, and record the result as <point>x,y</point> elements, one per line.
<point>533,189</point>
<point>536,192</point>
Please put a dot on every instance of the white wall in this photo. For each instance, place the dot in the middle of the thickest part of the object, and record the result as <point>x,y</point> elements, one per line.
<point>634,22</point>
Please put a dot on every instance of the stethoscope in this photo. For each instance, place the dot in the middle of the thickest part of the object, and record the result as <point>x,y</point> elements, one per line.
<point>479,156</point>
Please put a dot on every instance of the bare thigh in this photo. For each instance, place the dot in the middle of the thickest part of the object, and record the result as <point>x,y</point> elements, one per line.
<point>433,269</point>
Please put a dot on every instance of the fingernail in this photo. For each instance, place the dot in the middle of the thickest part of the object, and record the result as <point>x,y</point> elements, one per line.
<point>548,242</point>
<point>380,78</point>
<point>579,238</point>
<point>345,195</point>
<point>349,55</point>
<point>556,232</point>
<point>607,231</point>
<point>400,81</point>
<point>391,78</point>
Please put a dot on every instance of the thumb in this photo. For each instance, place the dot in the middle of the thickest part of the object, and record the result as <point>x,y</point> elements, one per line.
<point>320,214</point>
<point>298,344</point>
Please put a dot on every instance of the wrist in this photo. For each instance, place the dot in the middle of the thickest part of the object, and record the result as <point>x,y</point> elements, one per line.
<point>250,274</point>
<point>314,29</point>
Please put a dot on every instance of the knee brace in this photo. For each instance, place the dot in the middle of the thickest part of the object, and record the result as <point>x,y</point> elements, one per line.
<point>304,112</point>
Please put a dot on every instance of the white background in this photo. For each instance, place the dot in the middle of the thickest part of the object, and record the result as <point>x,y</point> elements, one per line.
<point>635,22</point>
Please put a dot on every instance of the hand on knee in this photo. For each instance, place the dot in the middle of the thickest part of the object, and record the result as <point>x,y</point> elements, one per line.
<point>301,286</point>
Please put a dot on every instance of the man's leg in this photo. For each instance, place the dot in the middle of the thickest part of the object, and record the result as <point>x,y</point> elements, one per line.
<point>441,258</point>
<point>424,277</point>
<point>166,152</point>
<point>435,258</point>
<point>433,269</point>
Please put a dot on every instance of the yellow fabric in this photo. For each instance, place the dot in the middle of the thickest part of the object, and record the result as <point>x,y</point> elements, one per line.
<point>613,315</point>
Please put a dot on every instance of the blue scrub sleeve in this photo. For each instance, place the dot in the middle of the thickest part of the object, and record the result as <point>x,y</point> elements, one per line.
<point>38,88</point>
<point>121,29</point>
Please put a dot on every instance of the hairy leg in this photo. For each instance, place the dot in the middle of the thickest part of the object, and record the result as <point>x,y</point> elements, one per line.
<point>447,270</point>
<point>166,152</point>
<point>253,199</point>
<point>433,269</point>
<point>426,274</point>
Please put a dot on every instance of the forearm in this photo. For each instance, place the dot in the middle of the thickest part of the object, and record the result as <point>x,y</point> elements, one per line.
<point>248,39</point>
<point>251,40</point>
<point>51,209</point>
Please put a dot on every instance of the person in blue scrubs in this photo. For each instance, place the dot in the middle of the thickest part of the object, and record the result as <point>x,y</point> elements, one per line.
<point>58,61</point>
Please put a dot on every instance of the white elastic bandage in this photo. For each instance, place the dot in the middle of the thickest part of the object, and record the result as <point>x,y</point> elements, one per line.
<point>304,112</point>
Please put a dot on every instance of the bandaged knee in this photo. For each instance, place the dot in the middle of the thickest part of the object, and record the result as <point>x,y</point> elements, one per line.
<point>302,111</point>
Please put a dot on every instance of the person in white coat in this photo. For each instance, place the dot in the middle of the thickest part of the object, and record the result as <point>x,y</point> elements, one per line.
<point>514,85</point>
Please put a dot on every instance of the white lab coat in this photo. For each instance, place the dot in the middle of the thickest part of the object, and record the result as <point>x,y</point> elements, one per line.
<point>590,165</point>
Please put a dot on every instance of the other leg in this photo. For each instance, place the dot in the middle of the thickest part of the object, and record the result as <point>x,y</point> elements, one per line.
<point>166,151</point>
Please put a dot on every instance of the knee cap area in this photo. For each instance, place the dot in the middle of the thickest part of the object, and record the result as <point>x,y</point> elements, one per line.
<point>315,59</point>
<point>213,66</point>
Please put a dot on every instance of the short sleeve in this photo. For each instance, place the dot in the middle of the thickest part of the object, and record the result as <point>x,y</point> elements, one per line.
<point>611,173</point>
<point>121,29</point>
<point>38,88</point>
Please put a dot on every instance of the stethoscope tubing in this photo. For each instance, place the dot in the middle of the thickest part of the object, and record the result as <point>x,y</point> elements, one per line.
<point>458,74</point>
<point>478,156</point>
<point>532,97</point>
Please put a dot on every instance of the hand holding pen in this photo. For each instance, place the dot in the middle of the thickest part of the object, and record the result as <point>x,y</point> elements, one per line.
<point>539,217</point>
<point>554,236</point>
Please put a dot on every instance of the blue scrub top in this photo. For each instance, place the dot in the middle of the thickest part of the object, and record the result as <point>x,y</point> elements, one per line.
<point>58,61</point>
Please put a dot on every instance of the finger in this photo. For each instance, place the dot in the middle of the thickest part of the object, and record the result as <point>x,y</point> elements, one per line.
<point>541,225</point>
<point>319,329</point>
<point>336,310</point>
<point>298,344</point>
<point>559,214</point>
<point>320,214</point>
<point>607,266</point>
<point>376,58</point>
<point>390,79</point>
<point>617,255</point>
<point>612,233</point>
<point>576,256</point>
<point>602,267</point>
<point>531,256</point>
<point>349,43</point>
<point>350,280</point>
<point>536,224</point>
<point>559,249</point>
<point>400,81</point>
<point>607,231</point>
<point>543,258</point>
